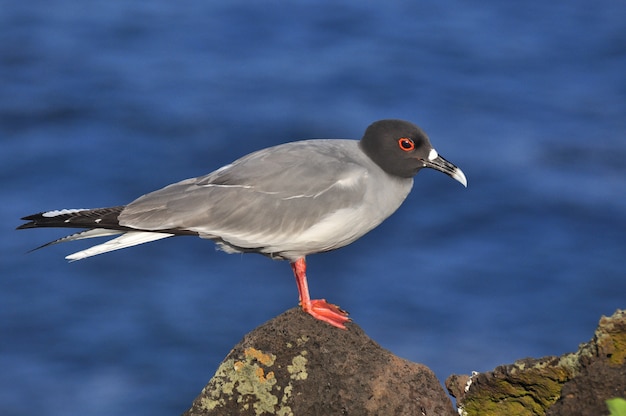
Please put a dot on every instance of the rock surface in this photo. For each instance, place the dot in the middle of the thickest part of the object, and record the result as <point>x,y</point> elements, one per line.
<point>297,365</point>
<point>573,384</point>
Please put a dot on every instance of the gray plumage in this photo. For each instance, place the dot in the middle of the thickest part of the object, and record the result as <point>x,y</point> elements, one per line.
<point>287,201</point>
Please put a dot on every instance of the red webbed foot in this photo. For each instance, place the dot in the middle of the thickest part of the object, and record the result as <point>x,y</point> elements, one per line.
<point>317,308</point>
<point>327,312</point>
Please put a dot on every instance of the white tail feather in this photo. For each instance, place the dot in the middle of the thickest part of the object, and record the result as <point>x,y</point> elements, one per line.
<point>95,232</point>
<point>128,239</point>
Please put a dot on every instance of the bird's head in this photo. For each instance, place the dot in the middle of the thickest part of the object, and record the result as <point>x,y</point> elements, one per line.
<point>401,148</point>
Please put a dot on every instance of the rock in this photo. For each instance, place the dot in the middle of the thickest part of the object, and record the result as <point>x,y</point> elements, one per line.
<point>297,365</point>
<point>602,373</point>
<point>573,384</point>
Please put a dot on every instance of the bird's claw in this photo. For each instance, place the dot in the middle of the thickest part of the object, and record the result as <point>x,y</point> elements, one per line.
<point>327,312</point>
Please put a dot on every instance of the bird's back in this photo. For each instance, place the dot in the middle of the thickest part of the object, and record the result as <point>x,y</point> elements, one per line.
<point>285,201</point>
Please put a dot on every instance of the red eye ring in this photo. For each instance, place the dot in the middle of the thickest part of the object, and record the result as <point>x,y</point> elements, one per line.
<point>406,144</point>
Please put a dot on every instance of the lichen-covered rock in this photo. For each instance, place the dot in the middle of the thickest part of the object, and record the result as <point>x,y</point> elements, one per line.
<point>297,365</point>
<point>573,384</point>
<point>602,374</point>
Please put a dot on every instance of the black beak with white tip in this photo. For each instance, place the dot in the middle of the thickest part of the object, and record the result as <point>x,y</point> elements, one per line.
<point>437,162</point>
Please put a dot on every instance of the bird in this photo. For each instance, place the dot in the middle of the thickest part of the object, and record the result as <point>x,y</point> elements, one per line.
<point>285,202</point>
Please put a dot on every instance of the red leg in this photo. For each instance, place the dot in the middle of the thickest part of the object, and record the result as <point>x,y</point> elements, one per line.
<point>318,308</point>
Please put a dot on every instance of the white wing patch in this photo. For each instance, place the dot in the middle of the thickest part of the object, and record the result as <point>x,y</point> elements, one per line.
<point>58,212</point>
<point>349,181</point>
<point>129,239</point>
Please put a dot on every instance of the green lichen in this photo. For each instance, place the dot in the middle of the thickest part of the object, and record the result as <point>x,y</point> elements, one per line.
<point>299,342</point>
<point>221,384</point>
<point>284,409</point>
<point>297,369</point>
<point>252,383</point>
<point>529,389</point>
<point>248,378</point>
<point>571,362</point>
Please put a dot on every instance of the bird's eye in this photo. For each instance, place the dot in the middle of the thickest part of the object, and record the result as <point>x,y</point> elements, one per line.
<point>406,144</point>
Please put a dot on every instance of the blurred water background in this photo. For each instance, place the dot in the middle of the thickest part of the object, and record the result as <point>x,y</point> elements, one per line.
<point>101,102</point>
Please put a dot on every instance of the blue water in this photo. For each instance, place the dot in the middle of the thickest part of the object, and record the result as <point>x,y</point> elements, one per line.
<point>102,102</point>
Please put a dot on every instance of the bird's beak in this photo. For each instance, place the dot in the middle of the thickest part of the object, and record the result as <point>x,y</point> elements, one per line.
<point>437,162</point>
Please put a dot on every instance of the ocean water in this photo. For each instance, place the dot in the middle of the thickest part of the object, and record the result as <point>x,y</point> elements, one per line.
<point>103,102</point>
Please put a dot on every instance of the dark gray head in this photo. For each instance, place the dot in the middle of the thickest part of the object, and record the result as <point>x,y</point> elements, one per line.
<point>401,148</point>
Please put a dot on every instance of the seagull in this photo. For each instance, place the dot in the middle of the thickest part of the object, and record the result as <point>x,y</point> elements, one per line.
<point>285,202</point>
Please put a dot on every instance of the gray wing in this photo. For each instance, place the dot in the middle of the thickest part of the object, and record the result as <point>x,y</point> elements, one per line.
<point>273,192</point>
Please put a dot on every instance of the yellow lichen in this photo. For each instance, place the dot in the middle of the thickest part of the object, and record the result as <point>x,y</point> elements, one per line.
<point>260,373</point>
<point>619,350</point>
<point>265,359</point>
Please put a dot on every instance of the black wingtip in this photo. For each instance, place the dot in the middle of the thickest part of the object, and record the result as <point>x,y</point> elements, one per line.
<point>32,221</point>
<point>74,218</point>
<point>25,226</point>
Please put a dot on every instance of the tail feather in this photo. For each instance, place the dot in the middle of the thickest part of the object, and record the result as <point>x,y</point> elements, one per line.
<point>100,222</point>
<point>128,239</point>
<point>94,232</point>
